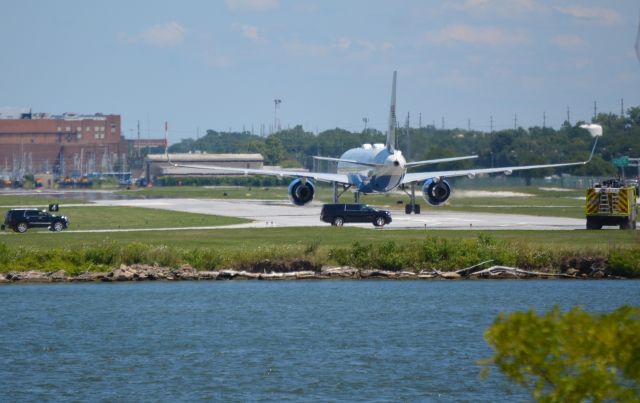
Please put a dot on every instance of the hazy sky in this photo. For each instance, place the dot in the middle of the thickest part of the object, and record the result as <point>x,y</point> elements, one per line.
<point>220,64</point>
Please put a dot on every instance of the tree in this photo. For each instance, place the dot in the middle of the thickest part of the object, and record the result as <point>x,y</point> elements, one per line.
<point>573,356</point>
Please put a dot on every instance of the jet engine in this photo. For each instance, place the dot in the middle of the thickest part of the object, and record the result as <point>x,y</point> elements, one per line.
<point>301,193</point>
<point>436,192</point>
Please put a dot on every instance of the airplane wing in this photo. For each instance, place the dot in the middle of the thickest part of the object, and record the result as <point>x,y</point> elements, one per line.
<point>421,176</point>
<point>320,176</point>
<point>436,161</point>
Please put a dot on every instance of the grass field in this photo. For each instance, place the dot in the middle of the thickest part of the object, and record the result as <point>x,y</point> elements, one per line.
<point>34,201</point>
<point>94,217</point>
<point>394,249</point>
<point>321,237</point>
<point>539,201</point>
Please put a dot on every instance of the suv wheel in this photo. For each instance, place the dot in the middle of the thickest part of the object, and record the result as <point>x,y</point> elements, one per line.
<point>379,221</point>
<point>338,221</point>
<point>21,227</point>
<point>57,226</point>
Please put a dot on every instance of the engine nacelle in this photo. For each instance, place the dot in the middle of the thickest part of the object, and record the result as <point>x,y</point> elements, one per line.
<point>301,193</point>
<point>436,192</point>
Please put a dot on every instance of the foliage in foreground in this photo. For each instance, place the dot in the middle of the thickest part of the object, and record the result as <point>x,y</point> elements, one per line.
<point>430,253</point>
<point>572,356</point>
<point>451,254</point>
<point>109,255</point>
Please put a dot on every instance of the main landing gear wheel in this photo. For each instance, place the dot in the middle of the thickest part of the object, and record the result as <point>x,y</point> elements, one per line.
<point>412,208</point>
<point>338,221</point>
<point>379,222</point>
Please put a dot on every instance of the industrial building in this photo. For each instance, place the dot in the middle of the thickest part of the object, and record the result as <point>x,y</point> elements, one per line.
<point>157,165</point>
<point>65,145</point>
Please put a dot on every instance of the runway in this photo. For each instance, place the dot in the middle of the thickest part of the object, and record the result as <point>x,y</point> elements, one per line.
<point>272,213</point>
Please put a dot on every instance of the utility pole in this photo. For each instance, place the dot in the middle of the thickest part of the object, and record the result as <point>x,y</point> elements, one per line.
<point>568,115</point>
<point>442,122</point>
<point>515,121</point>
<point>406,132</point>
<point>622,107</point>
<point>595,110</point>
<point>420,120</point>
<point>138,151</point>
<point>544,119</point>
<point>490,123</point>
<point>276,103</point>
<point>365,121</point>
<point>468,124</point>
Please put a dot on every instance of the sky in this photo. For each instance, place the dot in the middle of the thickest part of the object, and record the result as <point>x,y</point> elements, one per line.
<point>220,65</point>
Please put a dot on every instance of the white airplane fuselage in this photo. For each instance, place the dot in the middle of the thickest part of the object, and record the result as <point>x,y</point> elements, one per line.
<point>384,170</point>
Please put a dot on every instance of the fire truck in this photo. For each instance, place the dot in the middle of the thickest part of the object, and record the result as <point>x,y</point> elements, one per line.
<point>611,203</point>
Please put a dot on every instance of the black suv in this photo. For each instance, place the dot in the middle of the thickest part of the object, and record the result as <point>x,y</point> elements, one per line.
<point>338,214</point>
<point>21,219</point>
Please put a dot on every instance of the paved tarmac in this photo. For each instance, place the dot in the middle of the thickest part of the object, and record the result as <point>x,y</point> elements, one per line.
<point>266,213</point>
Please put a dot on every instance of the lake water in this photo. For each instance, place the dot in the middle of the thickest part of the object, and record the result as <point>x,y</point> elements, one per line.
<point>269,341</point>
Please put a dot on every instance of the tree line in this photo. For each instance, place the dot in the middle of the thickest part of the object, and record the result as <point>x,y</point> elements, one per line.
<point>295,147</point>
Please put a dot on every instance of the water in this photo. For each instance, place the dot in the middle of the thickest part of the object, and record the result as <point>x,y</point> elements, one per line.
<point>272,341</point>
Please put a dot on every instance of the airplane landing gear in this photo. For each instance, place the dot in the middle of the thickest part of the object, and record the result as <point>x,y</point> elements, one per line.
<point>412,206</point>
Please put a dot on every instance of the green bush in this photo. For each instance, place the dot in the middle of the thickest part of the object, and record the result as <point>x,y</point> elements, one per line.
<point>625,263</point>
<point>572,356</point>
<point>5,254</point>
<point>163,256</point>
<point>430,253</point>
<point>134,253</point>
<point>203,258</point>
<point>107,253</point>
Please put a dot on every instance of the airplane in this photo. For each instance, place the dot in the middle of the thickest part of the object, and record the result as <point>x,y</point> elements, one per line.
<point>381,168</point>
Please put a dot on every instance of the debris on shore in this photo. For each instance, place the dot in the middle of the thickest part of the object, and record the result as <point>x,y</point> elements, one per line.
<point>140,272</point>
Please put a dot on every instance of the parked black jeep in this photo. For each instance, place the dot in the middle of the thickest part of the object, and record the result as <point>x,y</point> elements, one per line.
<point>21,219</point>
<point>338,214</point>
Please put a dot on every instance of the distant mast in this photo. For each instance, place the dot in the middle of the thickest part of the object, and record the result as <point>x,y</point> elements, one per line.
<point>391,134</point>
<point>638,42</point>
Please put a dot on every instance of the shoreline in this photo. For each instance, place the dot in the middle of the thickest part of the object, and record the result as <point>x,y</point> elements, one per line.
<point>139,272</point>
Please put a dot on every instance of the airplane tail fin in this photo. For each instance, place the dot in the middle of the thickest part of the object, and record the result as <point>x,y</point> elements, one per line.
<point>391,133</point>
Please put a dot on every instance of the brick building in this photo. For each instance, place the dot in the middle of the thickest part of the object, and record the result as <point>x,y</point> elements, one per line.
<point>66,145</point>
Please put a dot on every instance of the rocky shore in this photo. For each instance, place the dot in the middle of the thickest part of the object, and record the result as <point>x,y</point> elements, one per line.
<point>186,272</point>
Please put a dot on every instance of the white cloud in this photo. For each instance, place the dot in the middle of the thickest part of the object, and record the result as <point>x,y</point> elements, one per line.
<point>343,43</point>
<point>505,7</point>
<point>569,41</point>
<point>251,5</point>
<point>250,32</point>
<point>345,46</point>
<point>307,49</point>
<point>461,33</point>
<point>160,35</point>
<point>603,15</point>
